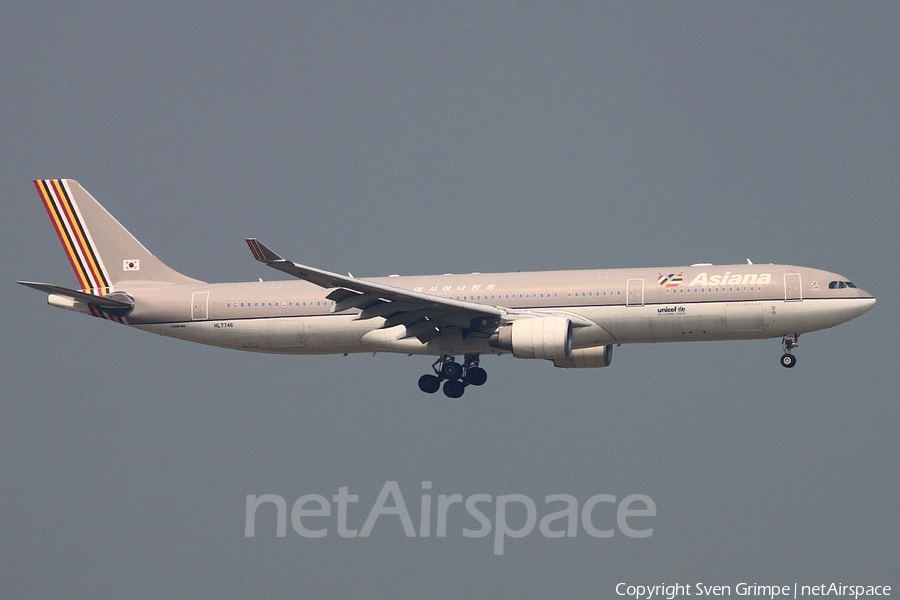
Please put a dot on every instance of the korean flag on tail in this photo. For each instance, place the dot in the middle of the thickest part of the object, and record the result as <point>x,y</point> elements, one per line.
<point>131,265</point>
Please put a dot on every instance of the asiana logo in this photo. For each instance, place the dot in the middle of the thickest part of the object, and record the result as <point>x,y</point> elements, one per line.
<point>672,280</point>
<point>727,278</point>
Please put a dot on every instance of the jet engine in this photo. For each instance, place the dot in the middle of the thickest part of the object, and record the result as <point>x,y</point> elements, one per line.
<point>586,358</point>
<point>538,337</point>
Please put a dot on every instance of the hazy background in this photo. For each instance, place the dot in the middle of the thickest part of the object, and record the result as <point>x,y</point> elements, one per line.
<point>398,138</point>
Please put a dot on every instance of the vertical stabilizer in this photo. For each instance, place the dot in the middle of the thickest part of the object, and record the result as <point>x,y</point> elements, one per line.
<point>102,253</point>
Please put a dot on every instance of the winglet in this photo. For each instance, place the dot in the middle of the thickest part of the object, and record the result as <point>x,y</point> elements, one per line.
<point>261,252</point>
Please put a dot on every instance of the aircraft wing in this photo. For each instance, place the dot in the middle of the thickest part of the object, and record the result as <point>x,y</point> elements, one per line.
<point>422,314</point>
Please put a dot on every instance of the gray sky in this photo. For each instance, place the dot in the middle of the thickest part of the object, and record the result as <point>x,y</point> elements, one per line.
<point>397,138</point>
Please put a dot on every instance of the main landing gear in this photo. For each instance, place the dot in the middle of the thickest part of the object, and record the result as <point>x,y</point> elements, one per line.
<point>456,377</point>
<point>788,360</point>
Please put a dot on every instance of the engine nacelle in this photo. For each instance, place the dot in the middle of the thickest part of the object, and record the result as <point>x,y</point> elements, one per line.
<point>540,337</point>
<point>586,358</point>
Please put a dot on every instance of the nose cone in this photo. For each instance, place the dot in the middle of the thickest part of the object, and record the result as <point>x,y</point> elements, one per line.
<point>851,308</point>
<point>862,303</point>
<point>866,302</point>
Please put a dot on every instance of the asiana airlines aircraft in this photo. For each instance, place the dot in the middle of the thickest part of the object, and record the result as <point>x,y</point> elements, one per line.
<point>572,319</point>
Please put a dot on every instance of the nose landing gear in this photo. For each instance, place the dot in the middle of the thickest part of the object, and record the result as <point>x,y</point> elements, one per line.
<point>789,342</point>
<point>456,377</point>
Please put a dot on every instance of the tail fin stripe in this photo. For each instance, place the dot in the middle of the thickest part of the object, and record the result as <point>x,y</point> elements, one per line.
<point>73,236</point>
<point>64,206</point>
<point>43,187</point>
<point>62,221</point>
<point>96,271</point>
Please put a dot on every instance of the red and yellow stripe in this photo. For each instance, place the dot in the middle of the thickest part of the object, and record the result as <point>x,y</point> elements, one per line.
<point>73,235</point>
<point>75,238</point>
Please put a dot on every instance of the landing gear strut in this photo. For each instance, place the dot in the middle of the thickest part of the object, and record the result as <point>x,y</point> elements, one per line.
<point>788,360</point>
<point>456,377</point>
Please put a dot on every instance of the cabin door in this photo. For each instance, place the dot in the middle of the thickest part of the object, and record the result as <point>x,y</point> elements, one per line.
<point>792,290</point>
<point>634,295</point>
<point>200,306</point>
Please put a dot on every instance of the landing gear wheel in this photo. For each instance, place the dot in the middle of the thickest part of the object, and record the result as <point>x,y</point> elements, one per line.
<point>788,360</point>
<point>429,384</point>
<point>454,377</point>
<point>451,370</point>
<point>476,376</point>
<point>454,388</point>
<point>789,342</point>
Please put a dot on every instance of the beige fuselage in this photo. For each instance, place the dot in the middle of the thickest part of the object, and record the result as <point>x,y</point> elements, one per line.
<point>622,306</point>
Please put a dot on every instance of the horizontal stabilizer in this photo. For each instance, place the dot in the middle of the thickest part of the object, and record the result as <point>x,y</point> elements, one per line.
<point>118,301</point>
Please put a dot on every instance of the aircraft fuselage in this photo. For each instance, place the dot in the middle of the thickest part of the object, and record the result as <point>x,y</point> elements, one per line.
<point>623,306</point>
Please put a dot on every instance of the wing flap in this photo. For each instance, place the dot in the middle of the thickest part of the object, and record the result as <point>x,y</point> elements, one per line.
<point>354,300</point>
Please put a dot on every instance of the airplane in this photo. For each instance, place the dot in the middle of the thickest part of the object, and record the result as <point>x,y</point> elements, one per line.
<point>571,318</point>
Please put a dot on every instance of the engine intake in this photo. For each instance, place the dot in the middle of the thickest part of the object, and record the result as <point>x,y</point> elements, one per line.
<point>540,337</point>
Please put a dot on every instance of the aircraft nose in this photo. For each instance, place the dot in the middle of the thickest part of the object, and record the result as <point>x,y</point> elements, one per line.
<point>866,302</point>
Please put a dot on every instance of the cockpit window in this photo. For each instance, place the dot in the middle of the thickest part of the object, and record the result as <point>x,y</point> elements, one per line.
<point>839,285</point>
